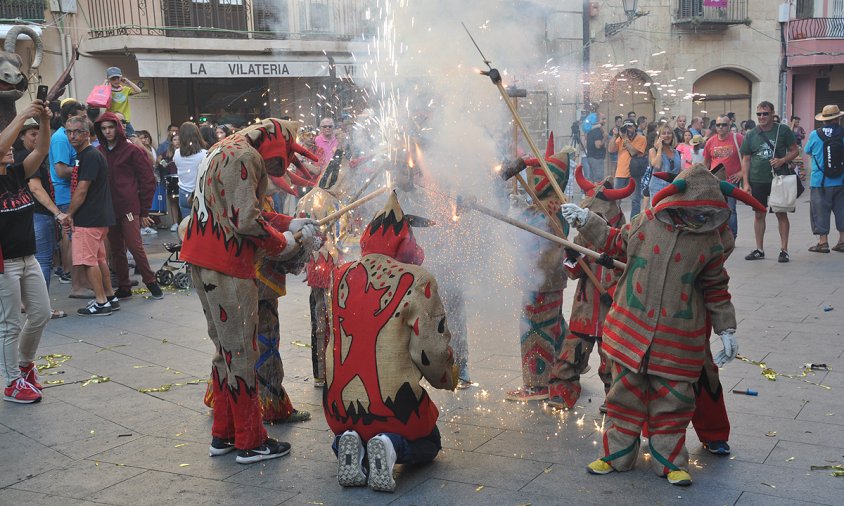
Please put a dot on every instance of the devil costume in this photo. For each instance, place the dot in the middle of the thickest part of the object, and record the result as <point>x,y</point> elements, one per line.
<point>591,303</point>
<point>226,234</point>
<point>655,334</point>
<point>388,332</point>
<point>542,326</point>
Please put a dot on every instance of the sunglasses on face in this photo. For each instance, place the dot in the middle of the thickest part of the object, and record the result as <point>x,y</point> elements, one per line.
<point>763,114</point>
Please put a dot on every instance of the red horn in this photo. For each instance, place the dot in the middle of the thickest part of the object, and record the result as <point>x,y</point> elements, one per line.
<point>620,193</point>
<point>299,180</point>
<point>549,148</point>
<point>739,194</point>
<point>672,189</point>
<point>532,162</point>
<point>298,148</point>
<point>665,176</point>
<point>582,182</point>
<point>281,183</point>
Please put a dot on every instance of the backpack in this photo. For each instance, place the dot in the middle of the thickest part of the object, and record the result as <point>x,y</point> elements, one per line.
<point>833,154</point>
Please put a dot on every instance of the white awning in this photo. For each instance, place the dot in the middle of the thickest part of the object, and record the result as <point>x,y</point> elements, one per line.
<point>194,65</point>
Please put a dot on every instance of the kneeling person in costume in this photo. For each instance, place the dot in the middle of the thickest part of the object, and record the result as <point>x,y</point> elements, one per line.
<point>388,332</point>
<point>656,331</point>
<point>226,234</point>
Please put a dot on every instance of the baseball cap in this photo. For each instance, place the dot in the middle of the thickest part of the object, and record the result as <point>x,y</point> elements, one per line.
<point>29,123</point>
<point>113,72</point>
<point>628,123</point>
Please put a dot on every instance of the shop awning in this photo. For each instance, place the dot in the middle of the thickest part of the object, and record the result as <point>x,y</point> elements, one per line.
<point>194,65</point>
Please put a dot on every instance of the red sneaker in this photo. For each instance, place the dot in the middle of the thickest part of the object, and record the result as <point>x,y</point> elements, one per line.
<point>21,392</point>
<point>30,374</point>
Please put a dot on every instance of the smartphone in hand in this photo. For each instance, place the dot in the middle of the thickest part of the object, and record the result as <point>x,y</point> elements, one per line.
<point>42,93</point>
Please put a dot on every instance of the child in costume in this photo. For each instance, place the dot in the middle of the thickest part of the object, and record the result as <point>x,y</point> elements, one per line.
<point>226,234</point>
<point>388,332</point>
<point>591,302</point>
<point>674,287</point>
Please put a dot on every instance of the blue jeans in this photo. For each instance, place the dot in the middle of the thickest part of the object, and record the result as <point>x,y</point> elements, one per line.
<point>733,221</point>
<point>636,198</point>
<point>184,203</point>
<point>415,452</point>
<point>45,243</point>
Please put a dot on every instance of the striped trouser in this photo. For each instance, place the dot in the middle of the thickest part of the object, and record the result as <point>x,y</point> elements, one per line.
<point>541,329</point>
<point>665,405</point>
<point>275,404</point>
<point>573,360</point>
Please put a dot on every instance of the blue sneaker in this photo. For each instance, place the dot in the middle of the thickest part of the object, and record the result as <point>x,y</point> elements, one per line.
<point>717,447</point>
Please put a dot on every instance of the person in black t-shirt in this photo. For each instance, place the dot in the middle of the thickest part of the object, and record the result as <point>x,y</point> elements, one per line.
<point>21,281</point>
<point>92,213</point>
<point>46,212</point>
<point>596,150</point>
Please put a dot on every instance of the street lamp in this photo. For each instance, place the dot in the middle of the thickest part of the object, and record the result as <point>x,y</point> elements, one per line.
<point>631,11</point>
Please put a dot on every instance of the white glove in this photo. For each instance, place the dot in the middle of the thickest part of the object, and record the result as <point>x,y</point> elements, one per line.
<point>728,337</point>
<point>310,238</point>
<point>296,224</point>
<point>573,214</point>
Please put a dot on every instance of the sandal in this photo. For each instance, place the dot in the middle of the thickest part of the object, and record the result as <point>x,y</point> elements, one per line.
<point>57,313</point>
<point>820,247</point>
<point>839,247</point>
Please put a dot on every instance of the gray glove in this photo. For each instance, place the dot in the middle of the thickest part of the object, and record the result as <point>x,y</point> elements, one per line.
<point>575,215</point>
<point>296,224</point>
<point>728,337</point>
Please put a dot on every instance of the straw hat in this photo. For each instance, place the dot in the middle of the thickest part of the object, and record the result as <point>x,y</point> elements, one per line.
<point>28,124</point>
<point>830,112</point>
<point>697,139</point>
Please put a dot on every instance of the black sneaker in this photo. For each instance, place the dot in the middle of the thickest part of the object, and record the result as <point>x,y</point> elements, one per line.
<point>64,278</point>
<point>756,254</point>
<point>783,257</point>
<point>123,293</point>
<point>220,446</point>
<point>155,291</point>
<point>717,447</point>
<point>115,304</point>
<point>271,449</point>
<point>94,309</point>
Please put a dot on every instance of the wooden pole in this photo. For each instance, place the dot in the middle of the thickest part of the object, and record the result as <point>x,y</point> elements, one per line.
<point>345,209</point>
<point>536,231</point>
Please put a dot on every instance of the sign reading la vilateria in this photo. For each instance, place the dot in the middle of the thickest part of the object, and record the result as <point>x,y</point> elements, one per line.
<point>239,68</point>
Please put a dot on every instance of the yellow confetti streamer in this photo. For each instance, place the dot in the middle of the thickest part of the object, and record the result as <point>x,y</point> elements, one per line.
<point>480,487</point>
<point>53,360</point>
<point>180,445</point>
<point>96,379</point>
<point>169,386</point>
<point>300,344</point>
<point>772,375</point>
<point>54,382</point>
<point>184,465</point>
<point>837,467</point>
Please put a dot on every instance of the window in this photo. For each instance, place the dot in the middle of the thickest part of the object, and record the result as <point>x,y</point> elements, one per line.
<point>30,10</point>
<point>805,9</point>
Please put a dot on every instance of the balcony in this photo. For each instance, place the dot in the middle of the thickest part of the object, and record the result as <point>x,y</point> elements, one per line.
<point>694,13</point>
<point>814,41</point>
<point>26,10</point>
<point>816,28</point>
<point>204,21</point>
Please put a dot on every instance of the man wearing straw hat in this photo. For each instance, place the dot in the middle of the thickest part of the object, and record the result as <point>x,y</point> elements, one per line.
<point>826,149</point>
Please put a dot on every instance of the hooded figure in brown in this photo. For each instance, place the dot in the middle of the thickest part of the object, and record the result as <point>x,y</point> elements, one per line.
<point>674,287</point>
<point>591,302</point>
<point>388,332</point>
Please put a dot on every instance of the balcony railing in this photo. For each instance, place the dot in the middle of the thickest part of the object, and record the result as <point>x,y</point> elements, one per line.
<point>694,12</point>
<point>232,19</point>
<point>816,28</point>
<point>27,10</point>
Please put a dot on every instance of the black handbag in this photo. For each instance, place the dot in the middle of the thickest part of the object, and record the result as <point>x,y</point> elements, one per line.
<point>638,166</point>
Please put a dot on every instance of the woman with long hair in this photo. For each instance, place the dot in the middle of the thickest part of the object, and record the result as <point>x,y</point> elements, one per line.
<point>221,132</point>
<point>685,149</point>
<point>664,158</point>
<point>167,171</point>
<point>191,151</point>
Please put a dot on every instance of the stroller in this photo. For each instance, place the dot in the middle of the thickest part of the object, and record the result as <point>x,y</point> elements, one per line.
<point>175,271</point>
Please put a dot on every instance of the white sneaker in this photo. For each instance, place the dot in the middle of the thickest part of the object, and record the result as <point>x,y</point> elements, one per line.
<point>382,460</point>
<point>350,456</point>
<point>148,231</point>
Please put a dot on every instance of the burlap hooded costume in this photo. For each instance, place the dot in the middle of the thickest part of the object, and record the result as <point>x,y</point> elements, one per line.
<point>227,235</point>
<point>588,309</point>
<point>542,327</point>
<point>656,331</point>
<point>388,332</point>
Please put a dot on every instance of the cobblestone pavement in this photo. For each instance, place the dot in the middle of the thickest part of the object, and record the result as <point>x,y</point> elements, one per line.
<point>108,443</point>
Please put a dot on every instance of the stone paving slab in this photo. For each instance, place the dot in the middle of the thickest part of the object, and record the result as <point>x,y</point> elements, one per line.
<point>108,443</point>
